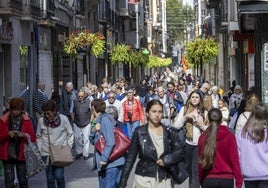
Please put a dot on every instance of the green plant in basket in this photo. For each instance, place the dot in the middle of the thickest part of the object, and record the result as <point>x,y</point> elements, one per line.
<point>84,40</point>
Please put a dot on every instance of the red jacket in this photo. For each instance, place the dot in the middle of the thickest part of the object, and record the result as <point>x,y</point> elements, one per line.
<point>226,161</point>
<point>27,127</point>
<point>135,109</point>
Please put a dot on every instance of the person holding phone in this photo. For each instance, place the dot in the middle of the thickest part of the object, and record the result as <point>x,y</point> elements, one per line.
<point>14,125</point>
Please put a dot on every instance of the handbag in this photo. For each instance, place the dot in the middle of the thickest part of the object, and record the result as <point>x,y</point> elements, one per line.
<point>178,172</point>
<point>33,159</point>
<point>60,155</point>
<point>189,128</point>
<point>122,143</point>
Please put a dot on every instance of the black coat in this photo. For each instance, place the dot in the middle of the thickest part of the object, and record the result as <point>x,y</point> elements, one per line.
<point>142,145</point>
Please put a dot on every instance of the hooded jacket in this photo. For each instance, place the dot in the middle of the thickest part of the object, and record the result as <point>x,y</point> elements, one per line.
<point>226,162</point>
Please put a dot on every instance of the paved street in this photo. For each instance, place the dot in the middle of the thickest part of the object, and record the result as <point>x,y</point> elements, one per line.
<point>78,175</point>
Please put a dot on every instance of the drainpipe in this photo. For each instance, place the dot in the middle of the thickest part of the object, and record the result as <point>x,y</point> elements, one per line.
<point>137,24</point>
<point>43,7</point>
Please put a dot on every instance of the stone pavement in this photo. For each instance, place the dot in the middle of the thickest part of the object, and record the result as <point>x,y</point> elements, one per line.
<point>78,175</point>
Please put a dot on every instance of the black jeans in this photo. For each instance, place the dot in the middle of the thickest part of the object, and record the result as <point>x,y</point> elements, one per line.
<point>218,183</point>
<point>192,165</point>
<point>10,175</point>
<point>256,184</point>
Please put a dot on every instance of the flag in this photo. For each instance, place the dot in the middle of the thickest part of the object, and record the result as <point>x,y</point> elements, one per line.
<point>184,62</point>
<point>133,2</point>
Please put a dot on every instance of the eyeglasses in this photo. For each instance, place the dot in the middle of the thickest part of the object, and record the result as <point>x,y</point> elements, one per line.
<point>110,97</point>
<point>81,96</point>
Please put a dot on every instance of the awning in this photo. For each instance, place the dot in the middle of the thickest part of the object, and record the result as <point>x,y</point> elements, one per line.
<point>252,7</point>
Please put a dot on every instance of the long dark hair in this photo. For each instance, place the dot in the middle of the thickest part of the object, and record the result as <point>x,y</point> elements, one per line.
<point>189,107</point>
<point>256,126</point>
<point>152,103</point>
<point>209,150</point>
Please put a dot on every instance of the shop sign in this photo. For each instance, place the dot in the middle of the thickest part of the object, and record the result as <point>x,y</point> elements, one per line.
<point>6,32</point>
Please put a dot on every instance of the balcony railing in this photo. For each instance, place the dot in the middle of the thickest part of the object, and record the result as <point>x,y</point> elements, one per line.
<point>16,4</point>
<point>114,20</point>
<point>35,8</point>
<point>80,8</point>
<point>104,12</point>
<point>13,7</point>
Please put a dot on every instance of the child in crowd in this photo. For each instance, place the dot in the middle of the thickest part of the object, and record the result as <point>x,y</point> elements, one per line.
<point>222,106</point>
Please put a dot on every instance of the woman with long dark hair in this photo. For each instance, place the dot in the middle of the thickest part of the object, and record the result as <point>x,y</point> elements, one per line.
<point>157,148</point>
<point>218,155</point>
<point>192,116</point>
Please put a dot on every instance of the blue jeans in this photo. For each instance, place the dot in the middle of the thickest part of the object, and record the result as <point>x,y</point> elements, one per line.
<point>191,154</point>
<point>131,127</point>
<point>142,99</point>
<point>55,175</point>
<point>109,178</point>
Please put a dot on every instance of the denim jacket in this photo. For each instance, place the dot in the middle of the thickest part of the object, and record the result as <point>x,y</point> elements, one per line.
<point>107,130</point>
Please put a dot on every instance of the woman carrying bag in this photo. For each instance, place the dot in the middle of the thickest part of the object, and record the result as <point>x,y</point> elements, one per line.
<point>14,125</point>
<point>108,171</point>
<point>53,129</point>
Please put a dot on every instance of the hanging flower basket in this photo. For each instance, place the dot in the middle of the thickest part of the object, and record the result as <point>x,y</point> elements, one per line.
<point>122,53</point>
<point>155,61</point>
<point>84,41</point>
<point>201,50</point>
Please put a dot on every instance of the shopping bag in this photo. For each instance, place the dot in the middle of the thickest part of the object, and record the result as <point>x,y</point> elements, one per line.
<point>33,160</point>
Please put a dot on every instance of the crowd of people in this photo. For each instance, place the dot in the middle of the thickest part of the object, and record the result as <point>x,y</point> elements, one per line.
<point>225,131</point>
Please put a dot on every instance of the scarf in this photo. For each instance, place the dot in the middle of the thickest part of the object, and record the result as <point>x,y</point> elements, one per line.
<point>54,122</point>
<point>15,123</point>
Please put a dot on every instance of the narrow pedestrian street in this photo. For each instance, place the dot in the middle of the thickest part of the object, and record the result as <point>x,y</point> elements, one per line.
<point>78,175</point>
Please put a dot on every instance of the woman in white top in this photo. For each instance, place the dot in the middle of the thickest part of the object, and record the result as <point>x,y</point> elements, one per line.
<point>57,128</point>
<point>192,117</point>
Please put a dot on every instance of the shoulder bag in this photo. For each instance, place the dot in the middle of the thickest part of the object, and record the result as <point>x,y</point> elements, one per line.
<point>178,171</point>
<point>60,155</point>
<point>122,143</point>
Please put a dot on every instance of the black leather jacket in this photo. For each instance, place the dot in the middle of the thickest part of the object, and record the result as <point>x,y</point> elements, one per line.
<point>142,145</point>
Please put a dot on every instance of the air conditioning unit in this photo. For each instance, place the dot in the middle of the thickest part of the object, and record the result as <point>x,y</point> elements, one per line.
<point>123,8</point>
<point>123,12</point>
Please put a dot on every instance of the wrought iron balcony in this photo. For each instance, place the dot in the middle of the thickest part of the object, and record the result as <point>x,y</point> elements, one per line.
<point>8,7</point>
<point>114,20</point>
<point>104,12</point>
<point>80,9</point>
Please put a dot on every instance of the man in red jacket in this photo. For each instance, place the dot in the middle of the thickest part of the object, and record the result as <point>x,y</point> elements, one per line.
<point>133,114</point>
